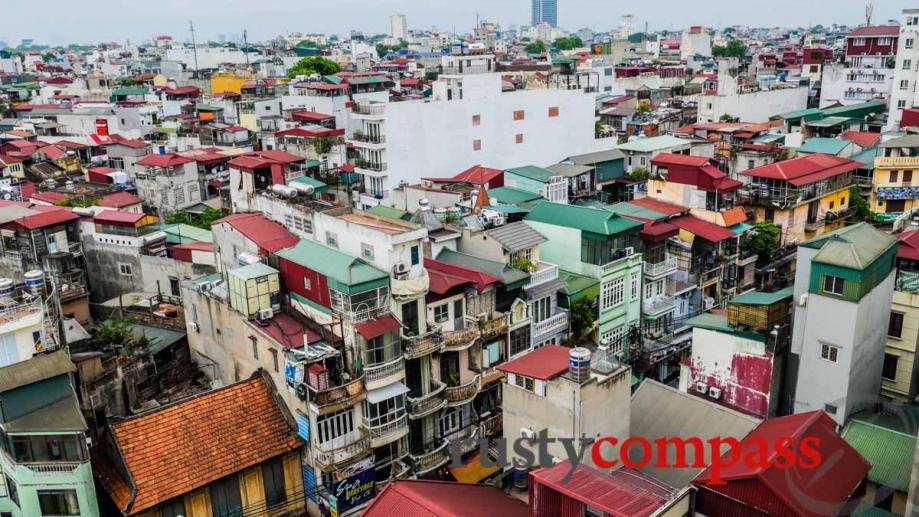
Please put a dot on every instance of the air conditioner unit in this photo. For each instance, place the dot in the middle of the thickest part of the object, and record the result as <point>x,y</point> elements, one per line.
<point>702,387</point>
<point>629,251</point>
<point>265,314</point>
<point>714,392</point>
<point>400,268</point>
<point>192,326</point>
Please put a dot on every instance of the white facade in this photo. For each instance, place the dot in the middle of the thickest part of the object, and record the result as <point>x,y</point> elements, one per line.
<point>749,106</point>
<point>906,71</point>
<point>207,57</point>
<point>398,27</point>
<point>693,43</point>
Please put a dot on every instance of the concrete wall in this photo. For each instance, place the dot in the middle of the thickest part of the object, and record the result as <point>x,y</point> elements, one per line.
<point>754,106</point>
<point>102,269</point>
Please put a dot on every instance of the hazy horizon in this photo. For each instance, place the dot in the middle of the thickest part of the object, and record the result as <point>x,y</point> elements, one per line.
<point>93,21</point>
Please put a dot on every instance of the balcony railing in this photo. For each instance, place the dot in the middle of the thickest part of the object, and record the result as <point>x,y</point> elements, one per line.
<point>551,323</point>
<point>896,161</point>
<point>432,460</point>
<point>427,343</point>
<point>659,304</point>
<point>663,267</point>
<point>52,468</point>
<point>369,109</point>
<point>329,456</point>
<point>711,274</point>
<point>494,327</point>
<point>370,139</point>
<point>544,273</point>
<point>390,429</point>
<point>13,313</point>
<point>492,425</point>
<point>811,226</point>
<point>462,338</point>
<point>382,371</point>
<point>370,166</point>
<point>424,405</point>
<point>338,397</point>
<point>459,395</point>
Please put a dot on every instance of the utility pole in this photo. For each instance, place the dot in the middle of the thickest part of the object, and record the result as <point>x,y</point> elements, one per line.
<point>194,46</point>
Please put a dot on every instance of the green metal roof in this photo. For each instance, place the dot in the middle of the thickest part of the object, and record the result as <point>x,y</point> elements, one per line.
<point>740,228</point>
<point>511,195</point>
<point>506,275</point>
<point>856,110</point>
<point>124,92</point>
<point>829,122</point>
<point>335,265</point>
<point>316,184</point>
<point>205,107</point>
<point>655,143</point>
<point>832,146</point>
<point>867,157</point>
<point>158,338</point>
<point>807,114</point>
<point>569,170</point>
<point>387,211</point>
<point>532,172</point>
<point>903,141</point>
<point>578,286</point>
<point>182,233</point>
<point>889,452</point>
<point>508,209</point>
<point>853,247</point>
<point>769,138</point>
<point>334,79</point>
<point>592,220</point>
<point>631,209</point>
<point>256,270</point>
<point>761,298</point>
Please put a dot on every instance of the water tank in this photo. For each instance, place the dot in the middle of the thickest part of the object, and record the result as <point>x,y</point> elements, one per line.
<point>303,188</point>
<point>7,288</point>
<point>284,190</point>
<point>520,479</point>
<point>35,282</point>
<point>441,214</point>
<point>453,213</point>
<point>246,259</point>
<point>423,203</point>
<point>579,363</point>
<point>69,186</point>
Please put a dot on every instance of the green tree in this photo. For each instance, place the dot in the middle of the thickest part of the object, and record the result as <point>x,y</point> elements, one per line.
<point>535,47</point>
<point>643,109</point>
<point>383,50</point>
<point>728,118</point>
<point>862,210</point>
<point>313,65</point>
<point>568,43</point>
<point>639,174</point>
<point>583,317</point>
<point>763,239</point>
<point>734,48</point>
<point>204,220</point>
<point>113,333</point>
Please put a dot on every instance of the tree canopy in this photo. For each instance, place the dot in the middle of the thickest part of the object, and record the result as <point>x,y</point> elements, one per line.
<point>313,65</point>
<point>204,220</point>
<point>535,47</point>
<point>734,48</point>
<point>383,50</point>
<point>763,239</point>
<point>568,43</point>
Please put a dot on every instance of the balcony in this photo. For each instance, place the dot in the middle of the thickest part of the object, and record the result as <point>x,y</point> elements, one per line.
<point>55,468</point>
<point>710,276</point>
<point>337,398</point>
<point>425,344</point>
<point>659,269</point>
<point>429,461</point>
<point>331,456</point>
<point>370,167</point>
<point>410,286</point>
<point>551,324</point>
<point>812,226</point>
<point>388,432</point>
<point>459,395</point>
<point>893,162</point>
<point>372,111</point>
<point>492,425</point>
<point>463,337</point>
<point>375,141</point>
<point>494,327</point>
<point>424,405</point>
<point>384,373</point>
<point>544,273</point>
<point>659,304</point>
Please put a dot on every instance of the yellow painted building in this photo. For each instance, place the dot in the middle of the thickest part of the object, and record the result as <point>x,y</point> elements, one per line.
<point>229,82</point>
<point>808,219</point>
<point>895,185</point>
<point>898,376</point>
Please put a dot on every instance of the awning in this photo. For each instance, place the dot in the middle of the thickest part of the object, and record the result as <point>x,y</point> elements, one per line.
<point>386,392</point>
<point>378,327</point>
<point>473,471</point>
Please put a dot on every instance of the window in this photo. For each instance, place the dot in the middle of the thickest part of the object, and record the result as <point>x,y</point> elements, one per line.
<point>125,269</point>
<point>907,176</point>
<point>901,103</point>
<point>858,41</point>
<point>416,257</point>
<point>519,115</point>
<point>830,408</point>
<point>335,425</point>
<point>890,367</point>
<point>476,145</point>
<point>842,202</point>
<point>884,41</point>
<point>894,176</point>
<point>612,294</point>
<point>904,84</point>
<point>225,497</point>
<point>832,204</point>
<point>520,340</point>
<point>12,490</point>
<point>908,43</point>
<point>331,239</point>
<point>895,325</point>
<point>179,196</point>
<point>366,251</point>
<point>116,163</point>
<point>833,284</point>
<point>273,475</point>
<point>615,339</point>
<point>519,138</point>
<point>442,313</point>
<point>48,448</point>
<point>476,120</point>
<point>814,69</point>
<point>384,411</point>
<point>58,502</point>
<point>636,289</point>
<point>450,421</point>
<point>254,347</point>
<point>274,359</point>
<point>907,64</point>
<point>649,290</point>
<point>307,283</point>
<point>553,111</point>
<point>751,164</point>
<point>542,309</point>
<point>829,352</point>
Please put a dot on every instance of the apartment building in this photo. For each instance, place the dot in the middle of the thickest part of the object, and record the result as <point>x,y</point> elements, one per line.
<point>867,70</point>
<point>899,380</point>
<point>906,69</point>
<point>748,102</point>
<point>892,189</point>
<point>167,182</point>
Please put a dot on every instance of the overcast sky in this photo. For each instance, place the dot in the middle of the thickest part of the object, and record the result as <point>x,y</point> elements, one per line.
<point>89,21</point>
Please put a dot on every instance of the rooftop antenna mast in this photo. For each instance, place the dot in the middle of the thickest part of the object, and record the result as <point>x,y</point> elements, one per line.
<point>869,11</point>
<point>194,46</point>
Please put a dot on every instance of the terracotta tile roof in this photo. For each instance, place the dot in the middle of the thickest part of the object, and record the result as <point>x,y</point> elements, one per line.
<point>178,448</point>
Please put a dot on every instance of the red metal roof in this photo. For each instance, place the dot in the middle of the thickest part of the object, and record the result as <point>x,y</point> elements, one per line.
<point>621,493</point>
<point>481,280</point>
<point>882,31</point>
<point>863,139</point>
<point>424,498</point>
<point>814,491</point>
<point>378,327</point>
<point>164,160</point>
<point>267,234</point>
<point>287,331</point>
<point>119,200</point>
<point>680,159</point>
<point>50,197</point>
<point>659,206</point>
<point>46,218</point>
<point>118,217</point>
<point>804,170</point>
<point>311,132</point>
<point>183,90</point>
<point>909,245</point>
<point>702,228</point>
<point>310,116</point>
<point>543,363</point>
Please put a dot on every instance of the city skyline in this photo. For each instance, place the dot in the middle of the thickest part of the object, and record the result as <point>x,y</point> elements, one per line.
<point>100,22</point>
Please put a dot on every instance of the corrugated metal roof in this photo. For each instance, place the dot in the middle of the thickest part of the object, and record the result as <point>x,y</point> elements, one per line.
<point>516,236</point>
<point>511,195</point>
<point>256,270</point>
<point>831,146</point>
<point>761,298</point>
<point>889,452</point>
<point>532,172</point>
<point>569,170</point>
<point>597,157</point>
<point>592,220</point>
<point>659,411</point>
<point>655,143</point>
<point>35,369</point>
<point>332,263</point>
<point>543,363</point>
<point>506,275</point>
<point>854,247</point>
<point>425,498</point>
